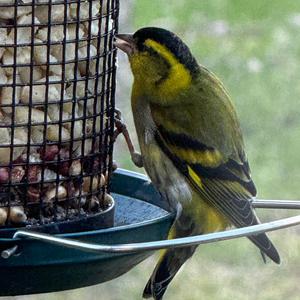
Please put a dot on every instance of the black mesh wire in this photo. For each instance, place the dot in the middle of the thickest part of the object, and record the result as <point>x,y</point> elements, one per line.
<point>57,84</point>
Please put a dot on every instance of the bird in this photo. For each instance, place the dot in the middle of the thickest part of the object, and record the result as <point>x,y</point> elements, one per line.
<point>191,146</point>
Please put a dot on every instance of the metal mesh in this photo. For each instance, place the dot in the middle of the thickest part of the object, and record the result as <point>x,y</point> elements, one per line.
<point>57,83</point>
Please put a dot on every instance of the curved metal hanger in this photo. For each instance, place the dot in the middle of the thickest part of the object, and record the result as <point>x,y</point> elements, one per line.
<point>172,243</point>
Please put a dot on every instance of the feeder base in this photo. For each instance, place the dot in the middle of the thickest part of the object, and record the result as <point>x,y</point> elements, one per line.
<point>41,267</point>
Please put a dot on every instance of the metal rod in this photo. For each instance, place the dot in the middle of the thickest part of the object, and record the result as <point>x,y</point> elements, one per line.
<point>9,252</point>
<point>276,204</point>
<point>163,244</point>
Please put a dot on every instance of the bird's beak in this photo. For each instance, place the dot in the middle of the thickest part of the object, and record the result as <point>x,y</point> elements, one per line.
<point>126,43</point>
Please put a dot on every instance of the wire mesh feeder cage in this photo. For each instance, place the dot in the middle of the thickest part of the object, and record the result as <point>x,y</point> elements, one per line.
<point>57,81</point>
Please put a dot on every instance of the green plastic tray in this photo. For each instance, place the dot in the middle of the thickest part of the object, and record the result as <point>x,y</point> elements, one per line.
<point>140,216</point>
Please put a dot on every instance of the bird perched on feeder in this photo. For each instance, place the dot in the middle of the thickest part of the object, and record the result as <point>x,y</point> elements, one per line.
<point>191,146</point>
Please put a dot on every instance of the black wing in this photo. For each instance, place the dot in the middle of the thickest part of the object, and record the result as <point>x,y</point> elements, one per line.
<point>227,186</point>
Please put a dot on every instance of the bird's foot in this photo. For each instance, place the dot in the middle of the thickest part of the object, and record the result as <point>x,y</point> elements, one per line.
<point>137,159</point>
<point>121,127</point>
<point>119,124</point>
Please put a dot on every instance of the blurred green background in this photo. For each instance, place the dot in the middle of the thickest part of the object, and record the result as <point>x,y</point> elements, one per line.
<point>254,48</point>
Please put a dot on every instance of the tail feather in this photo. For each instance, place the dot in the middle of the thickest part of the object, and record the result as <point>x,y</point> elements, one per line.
<point>166,269</point>
<point>264,243</point>
<point>266,247</point>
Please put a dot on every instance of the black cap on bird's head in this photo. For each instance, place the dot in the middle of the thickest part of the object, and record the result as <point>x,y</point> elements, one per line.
<point>162,36</point>
<point>139,42</point>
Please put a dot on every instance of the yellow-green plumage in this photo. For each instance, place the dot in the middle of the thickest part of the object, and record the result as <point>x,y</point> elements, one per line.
<point>191,145</point>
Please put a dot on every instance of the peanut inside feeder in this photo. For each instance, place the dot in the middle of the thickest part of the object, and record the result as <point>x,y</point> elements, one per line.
<point>56,101</point>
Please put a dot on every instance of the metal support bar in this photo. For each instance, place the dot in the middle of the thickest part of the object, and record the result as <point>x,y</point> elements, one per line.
<point>164,244</point>
<point>9,252</point>
<point>276,204</point>
<point>173,243</point>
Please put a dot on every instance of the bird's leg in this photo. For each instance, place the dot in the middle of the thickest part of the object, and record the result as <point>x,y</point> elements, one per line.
<point>121,127</point>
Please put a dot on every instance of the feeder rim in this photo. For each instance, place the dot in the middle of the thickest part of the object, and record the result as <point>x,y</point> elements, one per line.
<point>162,244</point>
